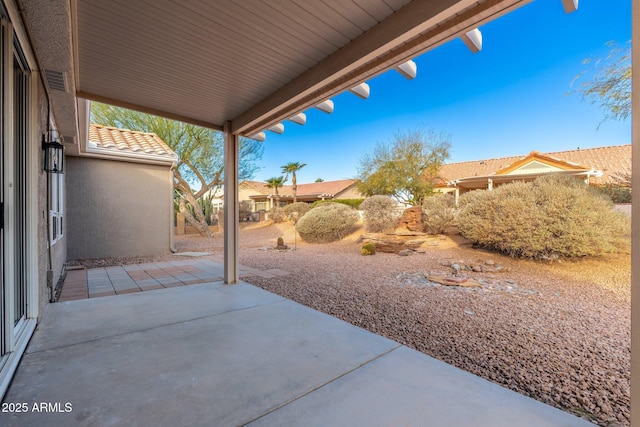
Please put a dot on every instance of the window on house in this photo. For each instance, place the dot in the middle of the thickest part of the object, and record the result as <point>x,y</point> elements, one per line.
<point>56,210</point>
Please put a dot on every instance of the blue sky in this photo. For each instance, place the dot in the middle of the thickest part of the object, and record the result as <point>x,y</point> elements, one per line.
<point>509,99</point>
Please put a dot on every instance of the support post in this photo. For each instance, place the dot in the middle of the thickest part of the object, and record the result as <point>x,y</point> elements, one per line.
<point>490,184</point>
<point>635,220</point>
<point>457,199</point>
<point>231,207</point>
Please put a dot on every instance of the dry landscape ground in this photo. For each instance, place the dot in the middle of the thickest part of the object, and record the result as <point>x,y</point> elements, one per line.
<point>556,331</point>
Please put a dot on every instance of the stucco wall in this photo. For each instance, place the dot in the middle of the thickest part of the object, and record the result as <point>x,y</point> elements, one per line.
<point>117,208</point>
<point>351,193</point>
<point>59,249</point>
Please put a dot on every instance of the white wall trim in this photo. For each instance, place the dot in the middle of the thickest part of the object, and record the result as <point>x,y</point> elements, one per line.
<point>21,33</point>
<point>13,359</point>
<point>9,194</point>
<point>33,173</point>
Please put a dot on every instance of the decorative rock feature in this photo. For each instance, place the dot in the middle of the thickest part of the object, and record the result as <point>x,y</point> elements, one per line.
<point>456,269</point>
<point>280,245</point>
<point>389,243</point>
<point>462,283</point>
<point>411,219</point>
<point>454,281</point>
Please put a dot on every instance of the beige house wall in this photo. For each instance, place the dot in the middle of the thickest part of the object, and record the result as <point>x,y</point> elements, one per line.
<point>59,248</point>
<point>117,208</point>
<point>445,190</point>
<point>244,191</point>
<point>351,193</point>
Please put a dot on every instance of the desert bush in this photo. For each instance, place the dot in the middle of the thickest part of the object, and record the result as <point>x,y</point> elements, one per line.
<point>298,208</point>
<point>380,213</point>
<point>327,223</point>
<point>438,213</point>
<point>354,203</point>
<point>368,248</point>
<point>552,216</point>
<point>617,193</point>
<point>618,187</point>
<point>277,215</point>
<point>469,197</point>
<point>244,209</point>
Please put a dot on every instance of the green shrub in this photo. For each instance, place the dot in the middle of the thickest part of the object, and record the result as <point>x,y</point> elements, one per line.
<point>368,249</point>
<point>354,203</point>
<point>295,211</point>
<point>327,223</point>
<point>438,213</point>
<point>617,193</point>
<point>380,213</point>
<point>618,189</point>
<point>552,216</point>
<point>277,214</point>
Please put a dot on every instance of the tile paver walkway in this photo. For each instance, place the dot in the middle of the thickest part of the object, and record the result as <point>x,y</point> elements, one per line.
<point>81,283</point>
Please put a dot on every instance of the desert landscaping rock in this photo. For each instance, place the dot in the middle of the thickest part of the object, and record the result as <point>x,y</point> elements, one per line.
<point>559,333</point>
<point>411,219</point>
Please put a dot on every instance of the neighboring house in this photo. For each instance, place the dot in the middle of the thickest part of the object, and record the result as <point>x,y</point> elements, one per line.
<point>119,195</point>
<point>596,166</point>
<point>263,198</point>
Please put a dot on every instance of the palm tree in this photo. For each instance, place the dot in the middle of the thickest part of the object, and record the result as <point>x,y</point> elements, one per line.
<point>292,168</point>
<point>275,183</point>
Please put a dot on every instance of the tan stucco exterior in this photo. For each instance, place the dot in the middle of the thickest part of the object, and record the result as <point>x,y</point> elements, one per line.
<point>117,208</point>
<point>350,193</point>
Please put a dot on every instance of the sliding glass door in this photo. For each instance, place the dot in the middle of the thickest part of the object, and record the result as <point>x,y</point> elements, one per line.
<point>14,192</point>
<point>19,244</point>
<point>4,333</point>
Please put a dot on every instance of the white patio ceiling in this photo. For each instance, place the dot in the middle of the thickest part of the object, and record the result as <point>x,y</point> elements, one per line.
<point>252,63</point>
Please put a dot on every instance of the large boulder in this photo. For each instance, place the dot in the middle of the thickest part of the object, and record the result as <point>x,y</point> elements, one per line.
<point>411,219</point>
<point>389,243</point>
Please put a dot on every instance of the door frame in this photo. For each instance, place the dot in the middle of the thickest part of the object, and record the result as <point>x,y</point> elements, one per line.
<point>15,337</point>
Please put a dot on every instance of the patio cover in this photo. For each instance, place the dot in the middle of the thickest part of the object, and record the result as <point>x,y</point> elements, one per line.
<point>250,63</point>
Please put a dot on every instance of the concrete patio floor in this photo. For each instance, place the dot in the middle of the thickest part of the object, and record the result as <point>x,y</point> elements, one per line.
<point>218,355</point>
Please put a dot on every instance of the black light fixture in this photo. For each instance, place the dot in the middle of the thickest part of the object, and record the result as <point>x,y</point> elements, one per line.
<point>53,156</point>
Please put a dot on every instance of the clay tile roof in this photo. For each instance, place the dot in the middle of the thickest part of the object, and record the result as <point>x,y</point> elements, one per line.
<point>331,188</point>
<point>259,186</point>
<point>317,188</point>
<point>128,142</point>
<point>612,161</point>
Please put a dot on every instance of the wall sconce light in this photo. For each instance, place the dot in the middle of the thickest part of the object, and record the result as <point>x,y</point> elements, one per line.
<point>53,156</point>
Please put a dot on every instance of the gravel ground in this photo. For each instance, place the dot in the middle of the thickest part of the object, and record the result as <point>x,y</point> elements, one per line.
<point>558,332</point>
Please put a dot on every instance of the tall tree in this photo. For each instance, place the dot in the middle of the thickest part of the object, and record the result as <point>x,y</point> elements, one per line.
<point>275,183</point>
<point>200,151</point>
<point>292,168</point>
<point>405,166</point>
<point>608,82</point>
